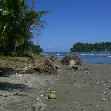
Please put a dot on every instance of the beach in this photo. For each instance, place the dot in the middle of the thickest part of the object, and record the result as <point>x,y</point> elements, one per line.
<point>86,89</point>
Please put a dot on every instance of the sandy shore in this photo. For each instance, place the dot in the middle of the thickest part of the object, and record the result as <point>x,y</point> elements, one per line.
<point>88,89</point>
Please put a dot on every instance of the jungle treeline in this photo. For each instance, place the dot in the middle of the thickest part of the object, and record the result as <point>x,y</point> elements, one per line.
<point>89,47</point>
<point>18,25</point>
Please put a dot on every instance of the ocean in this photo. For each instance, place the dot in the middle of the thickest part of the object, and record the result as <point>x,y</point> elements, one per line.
<point>103,57</point>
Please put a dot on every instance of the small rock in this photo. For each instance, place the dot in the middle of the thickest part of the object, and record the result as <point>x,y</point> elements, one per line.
<point>4,95</point>
<point>37,99</point>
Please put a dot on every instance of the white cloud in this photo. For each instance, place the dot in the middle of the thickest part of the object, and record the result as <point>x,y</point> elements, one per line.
<point>50,46</point>
<point>61,48</point>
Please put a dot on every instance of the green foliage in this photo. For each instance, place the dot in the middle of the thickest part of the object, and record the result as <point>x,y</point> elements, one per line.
<point>36,49</point>
<point>88,47</point>
<point>17,24</point>
<point>15,54</point>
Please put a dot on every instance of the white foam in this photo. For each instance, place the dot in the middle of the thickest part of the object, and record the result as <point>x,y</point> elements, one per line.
<point>90,54</point>
<point>58,54</point>
<point>83,54</point>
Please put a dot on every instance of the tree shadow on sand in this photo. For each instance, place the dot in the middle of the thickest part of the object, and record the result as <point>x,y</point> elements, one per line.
<point>5,71</point>
<point>10,86</point>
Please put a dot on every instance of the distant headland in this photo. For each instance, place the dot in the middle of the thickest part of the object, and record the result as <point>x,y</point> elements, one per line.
<point>89,47</point>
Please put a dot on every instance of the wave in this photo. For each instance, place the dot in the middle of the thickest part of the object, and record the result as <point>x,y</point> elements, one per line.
<point>58,54</point>
<point>82,54</point>
<point>93,54</point>
<point>88,57</point>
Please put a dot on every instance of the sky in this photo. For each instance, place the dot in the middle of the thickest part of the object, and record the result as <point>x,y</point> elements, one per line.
<point>73,21</point>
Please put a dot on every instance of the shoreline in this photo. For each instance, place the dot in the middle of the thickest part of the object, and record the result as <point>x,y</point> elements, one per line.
<point>88,89</point>
<point>89,57</point>
<point>96,63</point>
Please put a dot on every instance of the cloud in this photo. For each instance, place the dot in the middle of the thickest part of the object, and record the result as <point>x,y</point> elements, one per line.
<point>50,46</point>
<point>61,48</point>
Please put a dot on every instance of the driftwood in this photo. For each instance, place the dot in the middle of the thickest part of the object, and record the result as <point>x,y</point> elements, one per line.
<point>71,59</point>
<point>72,63</point>
<point>74,67</point>
<point>52,58</point>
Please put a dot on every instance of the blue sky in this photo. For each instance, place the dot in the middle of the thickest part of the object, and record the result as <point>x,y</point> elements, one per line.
<point>73,21</point>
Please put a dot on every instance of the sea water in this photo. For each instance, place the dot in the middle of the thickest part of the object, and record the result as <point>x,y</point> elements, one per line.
<point>103,57</point>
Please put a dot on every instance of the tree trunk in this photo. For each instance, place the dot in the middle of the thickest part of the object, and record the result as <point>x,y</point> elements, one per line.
<point>33,5</point>
<point>25,40</point>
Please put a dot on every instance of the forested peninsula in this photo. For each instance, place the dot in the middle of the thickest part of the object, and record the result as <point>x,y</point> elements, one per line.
<point>89,47</point>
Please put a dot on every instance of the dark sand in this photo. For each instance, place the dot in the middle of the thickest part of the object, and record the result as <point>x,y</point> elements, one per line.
<point>88,89</point>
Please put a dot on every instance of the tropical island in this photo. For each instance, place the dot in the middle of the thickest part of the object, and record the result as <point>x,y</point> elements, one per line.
<point>89,47</point>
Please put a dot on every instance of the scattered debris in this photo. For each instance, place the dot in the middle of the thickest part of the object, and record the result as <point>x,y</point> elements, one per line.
<point>72,63</point>
<point>74,67</point>
<point>28,65</point>
<point>75,60</point>
<point>18,94</point>
<point>57,67</point>
<point>71,60</point>
<point>38,106</point>
<point>53,58</point>
<point>4,95</point>
<point>86,69</point>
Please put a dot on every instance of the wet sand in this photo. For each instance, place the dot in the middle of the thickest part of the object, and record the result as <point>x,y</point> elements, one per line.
<point>88,89</point>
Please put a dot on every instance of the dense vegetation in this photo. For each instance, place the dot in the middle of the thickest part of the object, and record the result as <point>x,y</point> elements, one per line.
<point>88,47</point>
<point>17,24</point>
